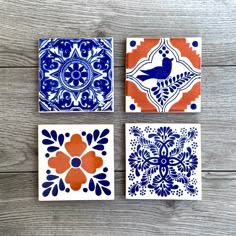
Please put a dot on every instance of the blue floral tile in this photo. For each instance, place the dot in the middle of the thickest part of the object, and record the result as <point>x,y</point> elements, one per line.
<point>76,75</point>
<point>76,162</point>
<point>163,161</point>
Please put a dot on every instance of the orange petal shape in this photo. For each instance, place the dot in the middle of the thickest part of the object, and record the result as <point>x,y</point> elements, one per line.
<point>60,163</point>
<point>76,146</point>
<point>75,178</point>
<point>90,162</point>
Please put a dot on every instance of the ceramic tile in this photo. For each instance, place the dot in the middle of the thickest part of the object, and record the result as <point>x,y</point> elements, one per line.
<point>76,75</point>
<point>163,161</point>
<point>163,75</point>
<point>76,162</point>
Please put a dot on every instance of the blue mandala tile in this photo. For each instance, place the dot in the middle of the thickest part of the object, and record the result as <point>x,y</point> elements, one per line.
<point>76,162</point>
<point>76,75</point>
<point>163,161</point>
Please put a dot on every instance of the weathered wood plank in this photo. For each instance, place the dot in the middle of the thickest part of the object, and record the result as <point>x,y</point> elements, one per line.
<point>22,214</point>
<point>19,119</point>
<point>23,22</point>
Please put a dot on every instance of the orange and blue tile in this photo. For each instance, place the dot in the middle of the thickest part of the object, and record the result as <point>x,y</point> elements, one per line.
<point>76,162</point>
<point>163,75</point>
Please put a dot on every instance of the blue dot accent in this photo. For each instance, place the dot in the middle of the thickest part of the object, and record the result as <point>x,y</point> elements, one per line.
<point>193,106</point>
<point>105,169</point>
<point>160,51</point>
<point>48,172</point>
<point>167,51</point>
<point>47,155</point>
<point>76,162</point>
<point>132,43</point>
<point>85,190</point>
<point>195,43</point>
<point>132,107</point>
<point>104,153</point>
<point>67,190</point>
<point>164,48</point>
<point>164,55</point>
<point>83,133</point>
<point>67,135</point>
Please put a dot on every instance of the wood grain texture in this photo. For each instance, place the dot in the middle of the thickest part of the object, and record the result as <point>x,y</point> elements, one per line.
<point>22,214</point>
<point>19,119</point>
<point>23,22</point>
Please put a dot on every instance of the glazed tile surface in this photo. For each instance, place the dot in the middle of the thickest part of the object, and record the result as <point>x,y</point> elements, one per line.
<point>75,75</point>
<point>163,75</point>
<point>76,162</point>
<point>163,161</point>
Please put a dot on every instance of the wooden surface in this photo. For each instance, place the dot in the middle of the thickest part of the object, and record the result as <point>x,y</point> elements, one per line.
<point>22,23</point>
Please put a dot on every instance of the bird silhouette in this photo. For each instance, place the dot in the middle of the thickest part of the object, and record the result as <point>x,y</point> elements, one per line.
<point>159,72</point>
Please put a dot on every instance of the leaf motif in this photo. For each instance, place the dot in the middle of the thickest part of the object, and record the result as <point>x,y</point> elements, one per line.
<point>152,170</point>
<point>137,172</point>
<point>154,89</point>
<point>103,141</point>
<point>106,191</point>
<point>134,188</point>
<point>52,177</point>
<point>55,190</point>
<point>100,176</point>
<point>98,190</point>
<point>89,138</point>
<point>46,133</point>
<point>47,141</point>
<point>95,134</point>
<point>61,185</point>
<point>182,141</point>
<point>144,179</point>
<point>54,135</point>
<point>104,182</point>
<point>136,132</point>
<point>47,184</point>
<point>61,139</point>
<point>46,192</point>
<point>104,133</point>
<point>52,148</point>
<point>91,185</point>
<point>99,147</point>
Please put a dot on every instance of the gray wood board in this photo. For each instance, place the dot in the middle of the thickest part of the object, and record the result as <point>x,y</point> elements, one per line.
<point>22,214</point>
<point>19,119</point>
<point>23,22</point>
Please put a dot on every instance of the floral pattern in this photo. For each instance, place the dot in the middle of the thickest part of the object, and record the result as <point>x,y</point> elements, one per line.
<point>75,74</point>
<point>76,162</point>
<point>163,161</point>
<point>163,75</point>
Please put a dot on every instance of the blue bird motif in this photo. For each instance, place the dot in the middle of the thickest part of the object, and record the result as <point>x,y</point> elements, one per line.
<point>159,72</point>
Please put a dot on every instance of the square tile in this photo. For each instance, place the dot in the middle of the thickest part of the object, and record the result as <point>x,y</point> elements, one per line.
<point>76,75</point>
<point>163,75</point>
<point>163,161</point>
<point>76,162</point>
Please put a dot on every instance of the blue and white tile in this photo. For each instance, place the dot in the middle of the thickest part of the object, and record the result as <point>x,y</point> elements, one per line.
<point>163,161</point>
<point>76,75</point>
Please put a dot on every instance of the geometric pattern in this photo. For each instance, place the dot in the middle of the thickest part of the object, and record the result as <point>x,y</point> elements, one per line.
<point>163,75</point>
<point>76,162</point>
<point>163,161</point>
<point>76,75</point>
